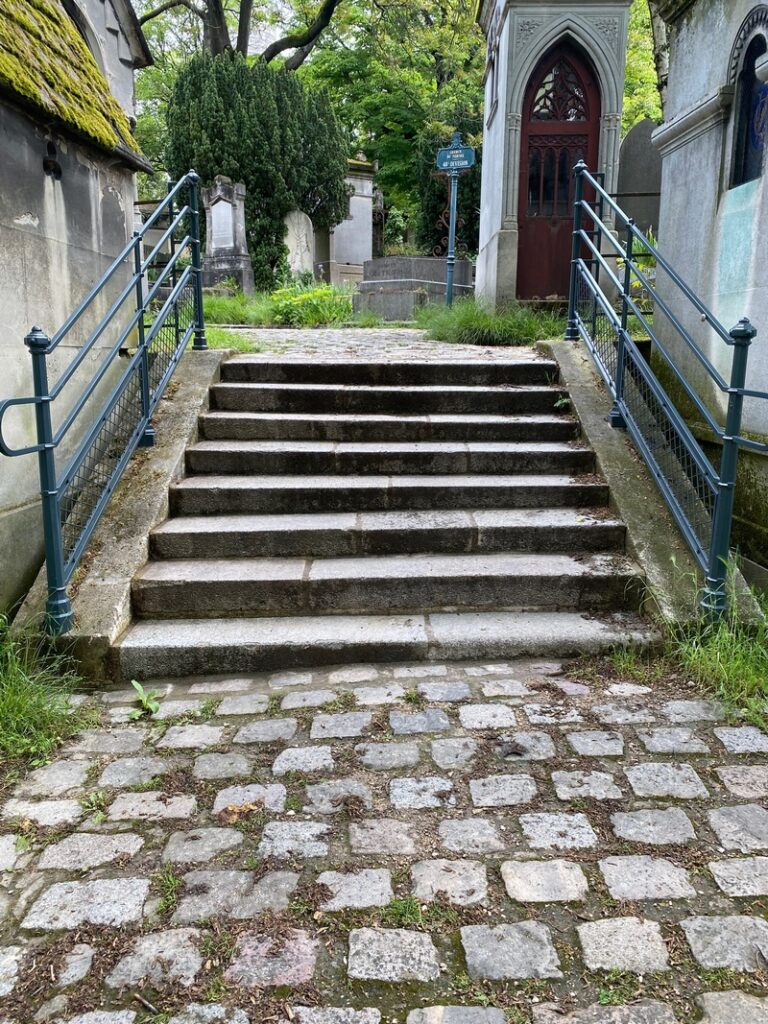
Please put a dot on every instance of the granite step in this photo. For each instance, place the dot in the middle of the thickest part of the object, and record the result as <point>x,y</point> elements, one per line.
<point>427,457</point>
<point>529,369</point>
<point>335,398</point>
<point>384,584</point>
<point>350,427</point>
<point>181,647</point>
<point>338,534</point>
<point>217,495</point>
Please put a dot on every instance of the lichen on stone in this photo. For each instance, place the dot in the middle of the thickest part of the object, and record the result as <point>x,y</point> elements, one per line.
<point>45,62</point>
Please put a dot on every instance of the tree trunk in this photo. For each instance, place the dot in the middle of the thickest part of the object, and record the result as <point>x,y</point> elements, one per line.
<point>660,52</point>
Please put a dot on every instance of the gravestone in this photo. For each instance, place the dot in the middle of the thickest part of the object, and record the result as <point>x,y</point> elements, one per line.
<point>300,242</point>
<point>395,286</point>
<point>226,250</point>
<point>639,192</point>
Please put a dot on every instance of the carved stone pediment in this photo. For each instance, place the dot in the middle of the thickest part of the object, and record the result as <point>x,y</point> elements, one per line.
<point>670,10</point>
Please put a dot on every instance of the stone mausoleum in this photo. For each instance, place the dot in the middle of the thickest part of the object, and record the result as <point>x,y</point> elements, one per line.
<point>67,191</point>
<point>553,96</point>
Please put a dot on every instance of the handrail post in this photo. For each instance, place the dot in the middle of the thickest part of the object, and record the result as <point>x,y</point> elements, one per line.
<point>172,247</point>
<point>572,333</point>
<point>59,614</point>
<point>714,600</point>
<point>200,343</point>
<point>616,416</point>
<point>148,434</point>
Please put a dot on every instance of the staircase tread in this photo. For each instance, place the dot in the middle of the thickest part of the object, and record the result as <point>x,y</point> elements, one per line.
<point>430,389</point>
<point>394,447</point>
<point>373,417</point>
<point>335,481</point>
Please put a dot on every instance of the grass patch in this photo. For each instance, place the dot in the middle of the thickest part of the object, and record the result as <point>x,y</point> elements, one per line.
<point>297,305</point>
<point>467,322</point>
<point>218,337</point>
<point>36,711</point>
<point>168,885</point>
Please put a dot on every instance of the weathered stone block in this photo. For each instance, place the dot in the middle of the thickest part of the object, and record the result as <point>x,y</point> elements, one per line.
<point>623,944</point>
<point>523,950</point>
<point>392,954</point>
<point>544,881</point>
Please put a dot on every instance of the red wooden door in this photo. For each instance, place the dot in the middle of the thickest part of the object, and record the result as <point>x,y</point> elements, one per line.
<point>561,125</point>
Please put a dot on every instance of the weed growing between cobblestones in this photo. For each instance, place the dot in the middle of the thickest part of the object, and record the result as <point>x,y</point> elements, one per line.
<point>168,885</point>
<point>467,322</point>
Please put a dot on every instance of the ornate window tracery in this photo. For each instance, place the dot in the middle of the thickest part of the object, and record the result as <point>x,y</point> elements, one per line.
<point>561,95</point>
<point>751,129</point>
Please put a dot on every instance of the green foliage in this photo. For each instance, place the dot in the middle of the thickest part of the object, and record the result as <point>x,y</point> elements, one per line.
<point>434,196</point>
<point>260,126</point>
<point>218,337</point>
<point>146,699</point>
<point>296,305</point>
<point>641,90</point>
<point>467,322</point>
<point>35,689</point>
<point>168,886</point>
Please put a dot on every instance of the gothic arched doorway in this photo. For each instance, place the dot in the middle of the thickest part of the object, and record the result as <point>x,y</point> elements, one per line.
<point>561,125</point>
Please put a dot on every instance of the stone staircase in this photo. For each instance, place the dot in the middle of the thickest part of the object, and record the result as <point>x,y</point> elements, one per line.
<point>342,511</point>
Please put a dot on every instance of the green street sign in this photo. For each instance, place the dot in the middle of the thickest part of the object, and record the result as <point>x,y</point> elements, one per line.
<point>456,158</point>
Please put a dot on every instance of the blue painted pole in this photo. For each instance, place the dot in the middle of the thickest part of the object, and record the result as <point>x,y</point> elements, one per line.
<point>451,258</point>
<point>201,342</point>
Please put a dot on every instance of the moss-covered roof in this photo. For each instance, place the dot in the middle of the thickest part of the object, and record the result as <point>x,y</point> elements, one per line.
<point>45,63</point>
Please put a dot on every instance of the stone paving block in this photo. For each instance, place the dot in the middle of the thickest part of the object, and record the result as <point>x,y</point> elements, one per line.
<point>248,704</point>
<point>176,709</point>
<point>209,1013</point>
<point>739,943</point>
<point>558,831</point>
<point>593,785</point>
<point>625,713</point>
<point>221,766</point>
<point>487,716</point>
<point>660,779</point>
<point>645,878</point>
<point>623,944</point>
<point>382,836</point>
<point>161,958</point>
<point>8,853</point>
<point>470,835</point>
<point>262,962</point>
<point>133,771</point>
<point>200,845</point>
<point>571,689</point>
<point>747,781</point>
<point>191,737</point>
<point>645,1011</point>
<point>101,1017</point>
<point>104,901</point>
<point>304,759</point>
<point>526,746</point>
<point>333,797</point>
<point>596,743</point>
<point>693,711</point>
<point>373,696</point>
<point>744,827</point>
<point>151,806</point>
<point>462,882</point>
<point>10,959</point>
<point>294,839</point>
<point>270,730</point>
<point>733,1008</point>
<point>552,714</point>
<point>544,881</point>
<point>106,741</point>
<point>746,739</point>
<point>221,686</point>
<point>523,950</point>
<point>409,723</point>
<point>306,699</point>
<point>386,756</point>
<point>415,794</point>
<point>55,779</point>
<point>84,850</point>
<point>354,674</point>
<point>456,1015</point>
<point>391,954</point>
<point>453,753</point>
<point>76,965</point>
<point>444,692</point>
<point>420,671</point>
<point>628,689</point>
<point>341,726</point>
<point>672,740</point>
<point>504,688</point>
<point>233,894</point>
<point>270,797</point>
<point>659,828</point>
<point>747,876</point>
<point>502,790</point>
<point>48,813</point>
<point>280,679</point>
<point>336,1015</point>
<point>370,887</point>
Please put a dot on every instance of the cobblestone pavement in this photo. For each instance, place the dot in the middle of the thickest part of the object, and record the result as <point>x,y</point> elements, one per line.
<point>430,844</point>
<point>379,343</point>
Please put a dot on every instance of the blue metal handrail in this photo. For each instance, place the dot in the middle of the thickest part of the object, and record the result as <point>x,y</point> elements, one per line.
<point>75,496</point>
<point>700,497</point>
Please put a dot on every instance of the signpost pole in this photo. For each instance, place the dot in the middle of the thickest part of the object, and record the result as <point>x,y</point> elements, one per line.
<point>451,256</point>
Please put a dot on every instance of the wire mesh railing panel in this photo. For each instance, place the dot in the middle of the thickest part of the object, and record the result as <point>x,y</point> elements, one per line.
<point>164,345</point>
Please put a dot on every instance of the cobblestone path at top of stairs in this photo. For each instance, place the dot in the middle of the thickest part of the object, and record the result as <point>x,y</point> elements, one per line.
<point>430,844</point>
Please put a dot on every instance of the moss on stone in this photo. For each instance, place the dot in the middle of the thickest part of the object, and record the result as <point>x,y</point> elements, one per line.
<point>45,62</point>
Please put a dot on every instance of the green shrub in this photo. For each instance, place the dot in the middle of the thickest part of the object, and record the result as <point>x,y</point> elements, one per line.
<point>297,305</point>
<point>36,713</point>
<point>467,322</point>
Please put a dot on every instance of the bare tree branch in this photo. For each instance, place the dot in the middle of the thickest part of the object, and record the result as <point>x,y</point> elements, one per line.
<point>168,6</point>
<point>305,40</point>
<point>244,26</point>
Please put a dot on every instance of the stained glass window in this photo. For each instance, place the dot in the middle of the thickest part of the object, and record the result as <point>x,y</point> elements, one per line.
<point>561,95</point>
<point>751,134</point>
